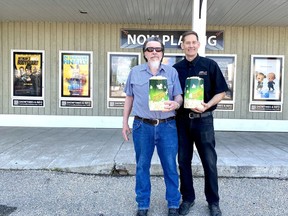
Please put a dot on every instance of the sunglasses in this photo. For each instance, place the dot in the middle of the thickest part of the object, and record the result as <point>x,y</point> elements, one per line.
<point>151,49</point>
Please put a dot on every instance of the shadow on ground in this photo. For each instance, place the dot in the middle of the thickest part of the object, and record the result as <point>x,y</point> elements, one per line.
<point>6,210</point>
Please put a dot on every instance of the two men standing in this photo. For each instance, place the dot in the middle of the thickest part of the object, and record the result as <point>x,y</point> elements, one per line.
<point>158,128</point>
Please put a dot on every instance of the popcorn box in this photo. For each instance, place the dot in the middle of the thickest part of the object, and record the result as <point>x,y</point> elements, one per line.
<point>194,92</point>
<point>158,93</point>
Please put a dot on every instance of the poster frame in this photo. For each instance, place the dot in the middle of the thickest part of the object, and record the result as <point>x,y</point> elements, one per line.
<point>117,102</point>
<point>28,100</point>
<point>227,104</point>
<point>76,101</point>
<point>260,100</point>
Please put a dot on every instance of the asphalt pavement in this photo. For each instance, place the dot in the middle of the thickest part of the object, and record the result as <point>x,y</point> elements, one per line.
<point>52,193</point>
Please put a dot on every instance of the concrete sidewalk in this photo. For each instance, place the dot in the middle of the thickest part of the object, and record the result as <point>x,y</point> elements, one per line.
<point>103,151</point>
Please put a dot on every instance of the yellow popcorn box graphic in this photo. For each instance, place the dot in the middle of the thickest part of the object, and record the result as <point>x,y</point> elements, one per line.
<point>194,92</point>
<point>158,93</point>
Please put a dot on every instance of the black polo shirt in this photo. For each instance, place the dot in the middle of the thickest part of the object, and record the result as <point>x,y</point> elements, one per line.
<point>208,69</point>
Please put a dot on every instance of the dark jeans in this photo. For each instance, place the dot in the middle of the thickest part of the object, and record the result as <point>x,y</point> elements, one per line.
<point>201,132</point>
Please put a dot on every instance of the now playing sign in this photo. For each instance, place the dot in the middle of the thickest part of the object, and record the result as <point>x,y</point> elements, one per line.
<point>171,39</point>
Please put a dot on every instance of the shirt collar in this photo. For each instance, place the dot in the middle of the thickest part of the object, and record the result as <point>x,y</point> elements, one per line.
<point>194,61</point>
<point>161,69</point>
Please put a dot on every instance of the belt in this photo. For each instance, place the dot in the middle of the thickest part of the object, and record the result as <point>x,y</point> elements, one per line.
<point>154,122</point>
<point>193,115</point>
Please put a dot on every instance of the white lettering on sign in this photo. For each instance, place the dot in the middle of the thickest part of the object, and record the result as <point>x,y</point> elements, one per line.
<point>131,40</point>
<point>179,41</point>
<point>140,39</point>
<point>170,39</point>
<point>165,39</point>
<point>212,41</point>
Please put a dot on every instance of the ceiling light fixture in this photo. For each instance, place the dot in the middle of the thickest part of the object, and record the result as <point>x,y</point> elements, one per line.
<point>83,12</point>
<point>149,20</point>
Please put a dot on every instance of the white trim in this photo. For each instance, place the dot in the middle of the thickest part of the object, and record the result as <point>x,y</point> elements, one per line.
<point>265,69</point>
<point>251,125</point>
<point>116,122</point>
<point>199,22</point>
<point>109,72</point>
<point>32,98</point>
<point>90,78</point>
<point>216,57</point>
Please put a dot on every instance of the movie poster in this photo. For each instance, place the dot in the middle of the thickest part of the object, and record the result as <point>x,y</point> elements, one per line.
<point>75,79</point>
<point>119,67</point>
<point>266,85</point>
<point>172,58</point>
<point>27,78</point>
<point>227,65</point>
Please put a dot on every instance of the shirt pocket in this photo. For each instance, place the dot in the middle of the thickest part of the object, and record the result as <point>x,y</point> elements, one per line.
<point>140,85</point>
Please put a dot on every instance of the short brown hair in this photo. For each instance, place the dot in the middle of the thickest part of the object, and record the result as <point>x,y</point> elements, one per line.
<point>189,33</point>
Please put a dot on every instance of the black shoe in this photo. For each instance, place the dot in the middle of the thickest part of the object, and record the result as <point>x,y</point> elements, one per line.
<point>142,212</point>
<point>173,212</point>
<point>215,210</point>
<point>185,207</point>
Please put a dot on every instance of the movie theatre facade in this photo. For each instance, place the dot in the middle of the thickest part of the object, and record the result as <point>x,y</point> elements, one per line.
<point>66,74</point>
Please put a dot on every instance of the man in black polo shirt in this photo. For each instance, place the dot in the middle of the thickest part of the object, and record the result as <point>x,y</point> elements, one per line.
<point>195,125</point>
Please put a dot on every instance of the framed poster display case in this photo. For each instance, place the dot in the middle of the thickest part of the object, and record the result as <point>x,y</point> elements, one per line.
<point>227,64</point>
<point>75,79</point>
<point>119,65</point>
<point>27,78</point>
<point>266,83</point>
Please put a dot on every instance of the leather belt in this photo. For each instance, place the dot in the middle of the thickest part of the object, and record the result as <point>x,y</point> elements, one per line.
<point>193,115</point>
<point>154,122</point>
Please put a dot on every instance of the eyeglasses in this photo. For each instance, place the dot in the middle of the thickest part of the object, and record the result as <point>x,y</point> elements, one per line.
<point>151,49</point>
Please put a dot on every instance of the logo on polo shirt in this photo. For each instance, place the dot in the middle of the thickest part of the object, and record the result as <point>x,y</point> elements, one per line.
<point>202,73</point>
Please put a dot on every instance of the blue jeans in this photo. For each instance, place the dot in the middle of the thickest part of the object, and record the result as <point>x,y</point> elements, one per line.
<point>164,137</point>
<point>201,132</point>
